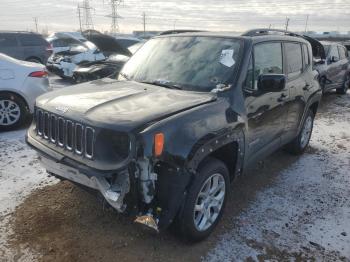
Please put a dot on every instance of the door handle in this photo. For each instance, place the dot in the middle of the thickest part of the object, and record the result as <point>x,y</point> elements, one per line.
<point>282,97</point>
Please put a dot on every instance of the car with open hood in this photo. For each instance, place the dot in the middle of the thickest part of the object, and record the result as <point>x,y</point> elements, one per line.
<point>334,68</point>
<point>188,114</point>
<point>70,50</point>
<point>85,56</point>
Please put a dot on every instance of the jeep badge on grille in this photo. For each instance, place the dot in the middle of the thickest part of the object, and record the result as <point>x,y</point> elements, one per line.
<point>62,109</point>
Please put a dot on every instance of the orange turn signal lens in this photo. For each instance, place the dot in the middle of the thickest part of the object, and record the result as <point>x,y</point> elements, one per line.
<point>158,144</point>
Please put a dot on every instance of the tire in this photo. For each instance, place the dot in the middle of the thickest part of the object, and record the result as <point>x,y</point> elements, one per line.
<point>13,112</point>
<point>344,89</point>
<point>300,143</point>
<point>190,222</point>
<point>323,85</point>
<point>77,79</point>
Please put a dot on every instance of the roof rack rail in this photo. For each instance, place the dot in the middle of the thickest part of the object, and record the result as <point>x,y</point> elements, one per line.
<point>268,31</point>
<point>171,32</point>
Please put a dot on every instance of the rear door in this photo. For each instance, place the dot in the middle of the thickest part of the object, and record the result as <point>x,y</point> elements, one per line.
<point>266,112</point>
<point>299,83</point>
<point>334,69</point>
<point>33,46</point>
<point>9,46</point>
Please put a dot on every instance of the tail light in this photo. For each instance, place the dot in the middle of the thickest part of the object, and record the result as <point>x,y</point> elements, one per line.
<point>38,74</point>
<point>49,48</point>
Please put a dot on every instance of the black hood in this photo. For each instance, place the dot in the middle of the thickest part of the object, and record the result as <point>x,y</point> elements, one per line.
<point>106,44</point>
<point>120,105</point>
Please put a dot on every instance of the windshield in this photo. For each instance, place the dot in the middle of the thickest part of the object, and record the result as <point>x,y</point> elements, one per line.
<point>190,63</point>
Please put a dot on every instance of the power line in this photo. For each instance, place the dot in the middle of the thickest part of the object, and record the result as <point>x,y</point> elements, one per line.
<point>79,15</point>
<point>307,20</point>
<point>144,23</point>
<point>36,23</point>
<point>287,23</point>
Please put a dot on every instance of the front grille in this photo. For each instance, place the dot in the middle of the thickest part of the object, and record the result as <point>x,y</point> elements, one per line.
<point>65,133</point>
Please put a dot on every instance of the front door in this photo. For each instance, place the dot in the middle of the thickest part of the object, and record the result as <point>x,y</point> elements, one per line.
<point>266,111</point>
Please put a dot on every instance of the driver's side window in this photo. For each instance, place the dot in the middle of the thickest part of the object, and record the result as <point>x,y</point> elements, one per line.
<point>266,59</point>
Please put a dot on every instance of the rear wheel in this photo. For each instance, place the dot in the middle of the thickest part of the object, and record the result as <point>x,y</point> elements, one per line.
<point>344,89</point>
<point>299,144</point>
<point>205,201</point>
<point>13,111</point>
<point>323,85</point>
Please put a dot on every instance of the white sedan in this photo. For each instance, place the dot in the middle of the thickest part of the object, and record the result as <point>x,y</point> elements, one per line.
<point>20,84</point>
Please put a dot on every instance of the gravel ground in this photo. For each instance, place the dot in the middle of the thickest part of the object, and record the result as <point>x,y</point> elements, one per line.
<point>286,208</point>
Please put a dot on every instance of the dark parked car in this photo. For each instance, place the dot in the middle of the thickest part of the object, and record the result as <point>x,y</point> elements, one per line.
<point>189,113</point>
<point>335,69</point>
<point>25,46</point>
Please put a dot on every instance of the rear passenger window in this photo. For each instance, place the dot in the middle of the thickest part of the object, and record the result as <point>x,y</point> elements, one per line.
<point>294,58</point>
<point>342,52</point>
<point>267,60</point>
<point>31,40</point>
<point>8,40</point>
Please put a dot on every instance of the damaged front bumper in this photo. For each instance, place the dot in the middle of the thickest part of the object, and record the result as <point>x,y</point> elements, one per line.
<point>153,192</point>
<point>113,190</point>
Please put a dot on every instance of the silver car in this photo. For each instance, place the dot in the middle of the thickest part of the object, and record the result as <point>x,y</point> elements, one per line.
<point>21,83</point>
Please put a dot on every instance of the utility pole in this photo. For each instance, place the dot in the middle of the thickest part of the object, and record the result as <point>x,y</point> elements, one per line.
<point>287,23</point>
<point>86,15</point>
<point>144,23</point>
<point>307,20</point>
<point>36,23</point>
<point>79,15</point>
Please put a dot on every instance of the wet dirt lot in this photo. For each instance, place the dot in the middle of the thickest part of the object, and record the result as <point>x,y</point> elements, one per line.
<point>286,208</point>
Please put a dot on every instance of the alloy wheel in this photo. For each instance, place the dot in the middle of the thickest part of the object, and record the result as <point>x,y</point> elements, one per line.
<point>306,133</point>
<point>209,202</point>
<point>10,112</point>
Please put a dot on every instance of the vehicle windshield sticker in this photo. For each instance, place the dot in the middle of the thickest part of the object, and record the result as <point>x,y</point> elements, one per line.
<point>226,57</point>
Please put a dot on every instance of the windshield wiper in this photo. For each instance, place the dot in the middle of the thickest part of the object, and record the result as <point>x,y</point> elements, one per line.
<point>124,75</point>
<point>161,83</point>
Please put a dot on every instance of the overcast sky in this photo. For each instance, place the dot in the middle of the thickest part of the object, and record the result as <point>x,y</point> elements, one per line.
<point>223,15</point>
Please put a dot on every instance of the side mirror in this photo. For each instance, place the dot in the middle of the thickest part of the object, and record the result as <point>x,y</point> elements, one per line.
<point>271,83</point>
<point>334,59</point>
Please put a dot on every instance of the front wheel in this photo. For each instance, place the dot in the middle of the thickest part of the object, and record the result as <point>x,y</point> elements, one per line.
<point>299,144</point>
<point>205,201</point>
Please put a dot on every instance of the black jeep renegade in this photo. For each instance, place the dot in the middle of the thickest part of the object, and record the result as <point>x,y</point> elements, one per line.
<point>188,114</point>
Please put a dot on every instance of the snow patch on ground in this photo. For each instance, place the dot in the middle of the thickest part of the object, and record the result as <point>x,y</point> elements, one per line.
<point>305,214</point>
<point>20,173</point>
